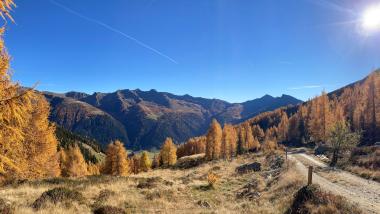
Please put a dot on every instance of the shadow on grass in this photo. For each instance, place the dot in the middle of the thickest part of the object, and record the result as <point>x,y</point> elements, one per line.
<point>204,187</point>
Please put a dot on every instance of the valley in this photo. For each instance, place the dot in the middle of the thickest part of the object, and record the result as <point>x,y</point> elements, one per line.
<point>64,151</point>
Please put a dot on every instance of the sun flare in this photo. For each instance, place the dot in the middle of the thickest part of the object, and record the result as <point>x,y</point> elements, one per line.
<point>371,18</point>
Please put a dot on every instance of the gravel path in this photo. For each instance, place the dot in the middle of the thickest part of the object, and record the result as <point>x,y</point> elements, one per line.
<point>364,193</point>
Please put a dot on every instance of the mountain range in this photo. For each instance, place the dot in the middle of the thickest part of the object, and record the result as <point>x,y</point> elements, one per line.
<point>143,119</point>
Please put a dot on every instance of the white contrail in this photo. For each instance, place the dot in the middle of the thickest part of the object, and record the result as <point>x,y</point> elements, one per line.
<point>67,9</point>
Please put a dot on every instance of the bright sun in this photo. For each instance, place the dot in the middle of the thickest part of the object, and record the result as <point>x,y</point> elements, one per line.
<point>371,18</point>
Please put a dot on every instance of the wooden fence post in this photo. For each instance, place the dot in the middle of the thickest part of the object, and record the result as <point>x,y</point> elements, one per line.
<point>286,158</point>
<point>286,154</point>
<point>310,176</point>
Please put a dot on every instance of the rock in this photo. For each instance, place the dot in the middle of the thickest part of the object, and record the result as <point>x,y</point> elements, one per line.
<point>321,150</point>
<point>203,204</point>
<point>249,194</point>
<point>256,166</point>
<point>190,161</point>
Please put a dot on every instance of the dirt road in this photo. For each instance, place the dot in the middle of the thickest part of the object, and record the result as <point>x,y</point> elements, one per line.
<point>364,193</point>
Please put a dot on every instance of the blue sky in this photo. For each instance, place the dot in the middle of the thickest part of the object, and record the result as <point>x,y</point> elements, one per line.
<point>234,50</point>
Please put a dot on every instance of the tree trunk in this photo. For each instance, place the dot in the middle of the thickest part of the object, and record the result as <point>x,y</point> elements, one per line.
<point>334,159</point>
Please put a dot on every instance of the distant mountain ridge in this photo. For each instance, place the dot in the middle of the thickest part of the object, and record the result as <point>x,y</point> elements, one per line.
<point>143,119</point>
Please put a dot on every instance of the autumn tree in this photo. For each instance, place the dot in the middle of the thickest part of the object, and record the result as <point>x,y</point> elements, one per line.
<point>341,139</point>
<point>28,148</point>
<point>134,164</point>
<point>258,133</point>
<point>251,144</point>
<point>145,162</point>
<point>294,128</point>
<point>269,146</point>
<point>15,113</point>
<point>372,106</point>
<point>242,145</point>
<point>116,159</point>
<point>40,142</point>
<point>74,164</point>
<point>93,169</point>
<point>229,142</point>
<point>195,145</point>
<point>5,8</point>
<point>156,161</point>
<point>168,153</point>
<point>214,141</point>
<point>283,128</point>
<point>255,145</point>
<point>321,118</point>
<point>271,134</point>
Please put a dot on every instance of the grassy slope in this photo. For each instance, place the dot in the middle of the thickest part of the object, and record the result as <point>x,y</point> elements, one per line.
<point>172,190</point>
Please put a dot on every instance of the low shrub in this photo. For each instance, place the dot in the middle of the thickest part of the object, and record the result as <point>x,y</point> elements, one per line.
<point>275,161</point>
<point>58,195</point>
<point>160,194</point>
<point>212,178</point>
<point>109,210</point>
<point>149,183</point>
<point>102,198</point>
<point>311,199</point>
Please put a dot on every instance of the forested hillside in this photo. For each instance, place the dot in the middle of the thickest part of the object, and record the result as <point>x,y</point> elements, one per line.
<point>143,119</point>
<point>357,104</point>
<point>343,119</point>
<point>90,148</point>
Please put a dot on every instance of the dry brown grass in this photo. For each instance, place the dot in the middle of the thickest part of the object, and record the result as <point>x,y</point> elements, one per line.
<point>365,162</point>
<point>365,172</point>
<point>172,190</point>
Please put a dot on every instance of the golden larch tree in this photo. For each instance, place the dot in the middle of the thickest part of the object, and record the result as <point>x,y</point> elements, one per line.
<point>93,169</point>
<point>283,127</point>
<point>15,113</point>
<point>156,161</point>
<point>145,162</point>
<point>251,143</point>
<point>195,145</point>
<point>75,165</point>
<point>134,164</point>
<point>214,141</point>
<point>242,146</point>
<point>258,132</point>
<point>255,145</point>
<point>294,133</point>
<point>40,142</point>
<point>372,107</point>
<point>229,142</point>
<point>320,120</point>
<point>116,160</point>
<point>168,153</point>
<point>27,143</point>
